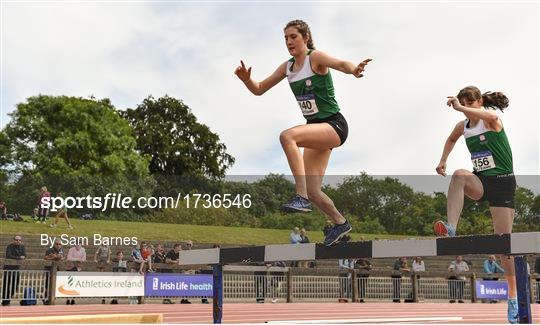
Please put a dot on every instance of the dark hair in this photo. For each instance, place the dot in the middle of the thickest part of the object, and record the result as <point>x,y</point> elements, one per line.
<point>490,99</point>
<point>303,29</point>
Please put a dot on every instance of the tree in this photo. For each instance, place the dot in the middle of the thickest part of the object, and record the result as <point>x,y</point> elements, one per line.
<point>178,145</point>
<point>74,145</point>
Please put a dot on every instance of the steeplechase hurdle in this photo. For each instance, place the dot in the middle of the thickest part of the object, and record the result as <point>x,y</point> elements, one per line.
<point>516,244</point>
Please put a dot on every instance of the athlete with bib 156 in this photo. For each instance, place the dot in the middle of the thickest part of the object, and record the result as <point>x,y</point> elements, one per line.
<point>493,177</point>
<point>308,73</point>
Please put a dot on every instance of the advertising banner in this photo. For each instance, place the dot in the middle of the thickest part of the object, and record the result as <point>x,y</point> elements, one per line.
<point>178,285</point>
<point>491,289</point>
<point>99,284</point>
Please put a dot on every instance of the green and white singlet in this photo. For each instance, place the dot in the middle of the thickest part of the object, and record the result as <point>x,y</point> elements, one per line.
<point>314,92</point>
<point>490,150</point>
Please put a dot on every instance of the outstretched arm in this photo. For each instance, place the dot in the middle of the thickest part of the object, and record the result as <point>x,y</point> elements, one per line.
<point>326,61</point>
<point>259,88</point>
<point>448,146</point>
<point>489,117</point>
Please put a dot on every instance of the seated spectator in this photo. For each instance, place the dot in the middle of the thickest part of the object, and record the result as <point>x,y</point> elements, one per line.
<point>146,253</point>
<point>456,281</point>
<point>120,263</point>
<point>55,253</point>
<point>491,266</point>
<point>295,236</point>
<point>102,257</point>
<point>173,255</point>
<point>159,254</point>
<point>418,265</point>
<point>75,257</point>
<point>138,260</point>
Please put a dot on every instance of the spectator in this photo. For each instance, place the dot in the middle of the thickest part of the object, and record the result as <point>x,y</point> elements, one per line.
<point>120,263</point>
<point>364,265</point>
<point>304,239</point>
<point>138,260</point>
<point>11,277</point>
<point>54,254</point>
<point>75,257</point>
<point>456,282</point>
<point>295,239</point>
<point>147,252</point>
<point>400,265</point>
<point>345,266</point>
<point>491,267</point>
<point>173,255</point>
<point>295,236</point>
<point>62,213</point>
<point>3,210</point>
<point>102,257</point>
<point>418,265</point>
<point>43,211</point>
<point>189,246</point>
<point>159,255</point>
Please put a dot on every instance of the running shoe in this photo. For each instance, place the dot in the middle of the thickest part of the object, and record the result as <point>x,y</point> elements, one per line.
<point>444,229</point>
<point>297,204</point>
<point>336,233</point>
<point>513,316</point>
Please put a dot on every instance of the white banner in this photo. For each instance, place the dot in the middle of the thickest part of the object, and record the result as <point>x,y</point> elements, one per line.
<point>99,284</point>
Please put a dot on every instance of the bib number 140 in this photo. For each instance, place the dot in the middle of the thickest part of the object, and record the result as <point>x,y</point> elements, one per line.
<point>307,104</point>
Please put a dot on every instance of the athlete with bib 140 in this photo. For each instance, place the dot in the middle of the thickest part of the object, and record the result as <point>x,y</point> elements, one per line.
<point>308,74</point>
<point>493,177</point>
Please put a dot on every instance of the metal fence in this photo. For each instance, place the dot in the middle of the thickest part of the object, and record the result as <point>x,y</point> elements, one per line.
<point>244,286</point>
<point>20,284</point>
<point>443,289</point>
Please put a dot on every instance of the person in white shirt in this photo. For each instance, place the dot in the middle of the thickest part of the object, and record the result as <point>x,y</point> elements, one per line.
<point>418,265</point>
<point>456,282</point>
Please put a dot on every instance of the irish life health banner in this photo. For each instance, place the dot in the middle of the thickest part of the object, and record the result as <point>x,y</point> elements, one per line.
<point>491,289</point>
<point>178,285</point>
<point>99,284</point>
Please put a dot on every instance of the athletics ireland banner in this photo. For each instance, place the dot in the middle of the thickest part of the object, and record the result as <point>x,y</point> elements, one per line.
<point>99,284</point>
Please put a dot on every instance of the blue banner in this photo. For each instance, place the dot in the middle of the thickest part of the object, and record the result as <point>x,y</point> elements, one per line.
<point>491,289</point>
<point>178,285</point>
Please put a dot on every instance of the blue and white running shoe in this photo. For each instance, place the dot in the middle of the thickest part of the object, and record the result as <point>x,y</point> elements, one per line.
<point>297,204</point>
<point>336,233</point>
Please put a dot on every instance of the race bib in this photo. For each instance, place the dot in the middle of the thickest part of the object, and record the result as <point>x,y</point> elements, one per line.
<point>482,160</point>
<point>307,104</point>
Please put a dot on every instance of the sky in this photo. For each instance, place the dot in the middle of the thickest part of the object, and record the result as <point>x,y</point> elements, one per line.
<point>398,120</point>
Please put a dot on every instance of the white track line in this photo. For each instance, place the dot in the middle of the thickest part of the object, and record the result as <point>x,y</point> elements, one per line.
<point>366,320</point>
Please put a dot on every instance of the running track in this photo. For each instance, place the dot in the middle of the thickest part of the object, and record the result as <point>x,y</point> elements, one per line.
<point>260,313</point>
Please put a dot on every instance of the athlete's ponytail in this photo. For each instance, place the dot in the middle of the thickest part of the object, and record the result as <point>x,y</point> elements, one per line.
<point>303,29</point>
<point>496,100</point>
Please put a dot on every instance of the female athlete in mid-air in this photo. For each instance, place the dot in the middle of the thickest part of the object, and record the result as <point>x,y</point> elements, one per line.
<point>308,73</point>
<point>493,177</point>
